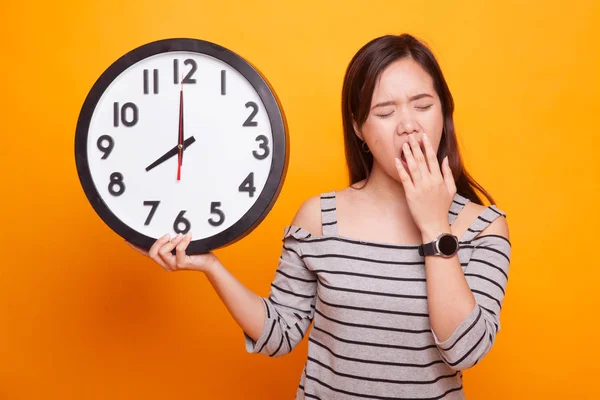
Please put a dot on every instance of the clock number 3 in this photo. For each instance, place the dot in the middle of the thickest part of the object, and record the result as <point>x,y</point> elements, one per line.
<point>264,145</point>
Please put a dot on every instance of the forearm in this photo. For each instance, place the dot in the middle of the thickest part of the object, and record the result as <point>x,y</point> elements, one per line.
<point>246,308</point>
<point>449,297</point>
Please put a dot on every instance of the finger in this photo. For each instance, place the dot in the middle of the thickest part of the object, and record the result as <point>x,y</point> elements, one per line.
<point>404,176</point>
<point>165,252</point>
<point>415,174</point>
<point>434,166</point>
<point>180,256</point>
<point>448,177</point>
<point>153,252</point>
<point>418,156</point>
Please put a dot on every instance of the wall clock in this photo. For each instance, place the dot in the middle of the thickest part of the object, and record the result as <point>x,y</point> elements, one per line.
<point>182,135</point>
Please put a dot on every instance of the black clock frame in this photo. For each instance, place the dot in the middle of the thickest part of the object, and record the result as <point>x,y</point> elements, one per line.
<point>280,146</point>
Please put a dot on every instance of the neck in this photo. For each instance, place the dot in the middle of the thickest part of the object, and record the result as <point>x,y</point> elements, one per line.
<point>387,193</point>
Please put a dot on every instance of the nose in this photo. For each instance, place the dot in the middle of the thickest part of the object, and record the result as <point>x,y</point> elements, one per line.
<point>407,123</point>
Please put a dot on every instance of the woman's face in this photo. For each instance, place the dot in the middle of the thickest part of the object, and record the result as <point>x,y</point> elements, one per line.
<point>404,102</point>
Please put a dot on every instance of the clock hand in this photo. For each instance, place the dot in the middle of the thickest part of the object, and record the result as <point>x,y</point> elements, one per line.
<point>180,136</point>
<point>171,153</point>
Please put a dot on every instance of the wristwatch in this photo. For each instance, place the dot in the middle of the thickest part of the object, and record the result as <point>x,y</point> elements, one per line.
<point>445,245</point>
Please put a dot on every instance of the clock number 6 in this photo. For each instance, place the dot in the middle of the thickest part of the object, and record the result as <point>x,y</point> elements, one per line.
<point>181,220</point>
<point>214,209</point>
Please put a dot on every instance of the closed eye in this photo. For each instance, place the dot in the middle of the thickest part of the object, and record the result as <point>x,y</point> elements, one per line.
<point>385,115</point>
<point>424,107</point>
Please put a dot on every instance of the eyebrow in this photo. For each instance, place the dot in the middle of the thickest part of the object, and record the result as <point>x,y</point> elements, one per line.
<point>392,102</point>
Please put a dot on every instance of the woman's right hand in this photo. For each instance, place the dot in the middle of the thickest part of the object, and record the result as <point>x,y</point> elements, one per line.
<point>160,252</point>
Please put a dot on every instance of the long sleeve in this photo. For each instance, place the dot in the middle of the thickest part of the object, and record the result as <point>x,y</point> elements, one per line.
<point>289,309</point>
<point>487,276</point>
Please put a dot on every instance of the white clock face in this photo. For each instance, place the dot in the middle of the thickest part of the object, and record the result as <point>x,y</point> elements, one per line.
<point>227,145</point>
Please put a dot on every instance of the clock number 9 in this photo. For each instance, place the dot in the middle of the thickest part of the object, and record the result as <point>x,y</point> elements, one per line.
<point>264,146</point>
<point>105,149</point>
<point>116,179</point>
<point>181,220</point>
<point>214,209</point>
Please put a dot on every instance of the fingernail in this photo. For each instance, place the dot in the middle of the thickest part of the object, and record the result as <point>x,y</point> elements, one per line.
<point>425,136</point>
<point>167,236</point>
<point>397,162</point>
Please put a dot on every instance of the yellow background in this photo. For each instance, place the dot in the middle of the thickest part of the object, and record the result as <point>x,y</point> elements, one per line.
<point>82,316</point>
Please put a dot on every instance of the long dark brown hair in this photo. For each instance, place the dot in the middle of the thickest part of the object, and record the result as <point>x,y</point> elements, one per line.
<point>359,83</point>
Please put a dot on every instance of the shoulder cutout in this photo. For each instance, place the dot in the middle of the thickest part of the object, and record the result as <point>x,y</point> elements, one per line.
<point>477,221</point>
<point>498,227</point>
<point>308,216</point>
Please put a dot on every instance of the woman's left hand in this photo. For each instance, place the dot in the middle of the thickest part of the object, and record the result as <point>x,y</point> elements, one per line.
<point>429,191</point>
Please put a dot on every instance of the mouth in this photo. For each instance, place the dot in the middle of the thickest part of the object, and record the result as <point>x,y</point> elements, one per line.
<point>403,157</point>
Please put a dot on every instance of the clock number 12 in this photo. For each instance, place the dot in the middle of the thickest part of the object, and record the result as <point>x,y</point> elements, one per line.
<point>189,77</point>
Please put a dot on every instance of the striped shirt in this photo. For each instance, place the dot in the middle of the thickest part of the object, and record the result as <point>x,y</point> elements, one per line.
<point>371,337</point>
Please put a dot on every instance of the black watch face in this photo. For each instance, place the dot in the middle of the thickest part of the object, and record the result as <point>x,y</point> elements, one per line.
<point>447,245</point>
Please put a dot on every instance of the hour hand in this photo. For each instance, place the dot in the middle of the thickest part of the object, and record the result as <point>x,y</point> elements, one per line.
<point>171,153</point>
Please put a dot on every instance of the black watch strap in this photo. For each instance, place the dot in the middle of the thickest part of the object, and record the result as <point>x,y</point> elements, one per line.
<point>427,249</point>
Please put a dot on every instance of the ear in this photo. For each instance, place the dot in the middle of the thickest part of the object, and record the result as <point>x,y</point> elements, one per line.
<point>357,131</point>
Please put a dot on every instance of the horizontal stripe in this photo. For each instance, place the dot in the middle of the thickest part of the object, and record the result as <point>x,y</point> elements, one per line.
<point>360,242</point>
<point>366,396</point>
<point>464,333</point>
<point>487,248</point>
<point>387,346</point>
<point>328,209</point>
<point>489,265</point>
<point>453,364</point>
<point>491,312</point>
<point>383,294</point>
<point>279,271</point>
<point>387,278</point>
<point>377,362</point>
<point>375,310</point>
<point>291,250</point>
<point>364,378</point>
<point>374,327</point>
<point>487,279</point>
<point>362,259</point>
<point>290,307</point>
<point>311,396</point>
<point>304,296</point>
<point>488,296</point>
<point>491,236</point>
<point>496,211</point>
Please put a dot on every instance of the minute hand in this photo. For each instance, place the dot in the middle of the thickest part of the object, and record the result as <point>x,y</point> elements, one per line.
<point>171,153</point>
